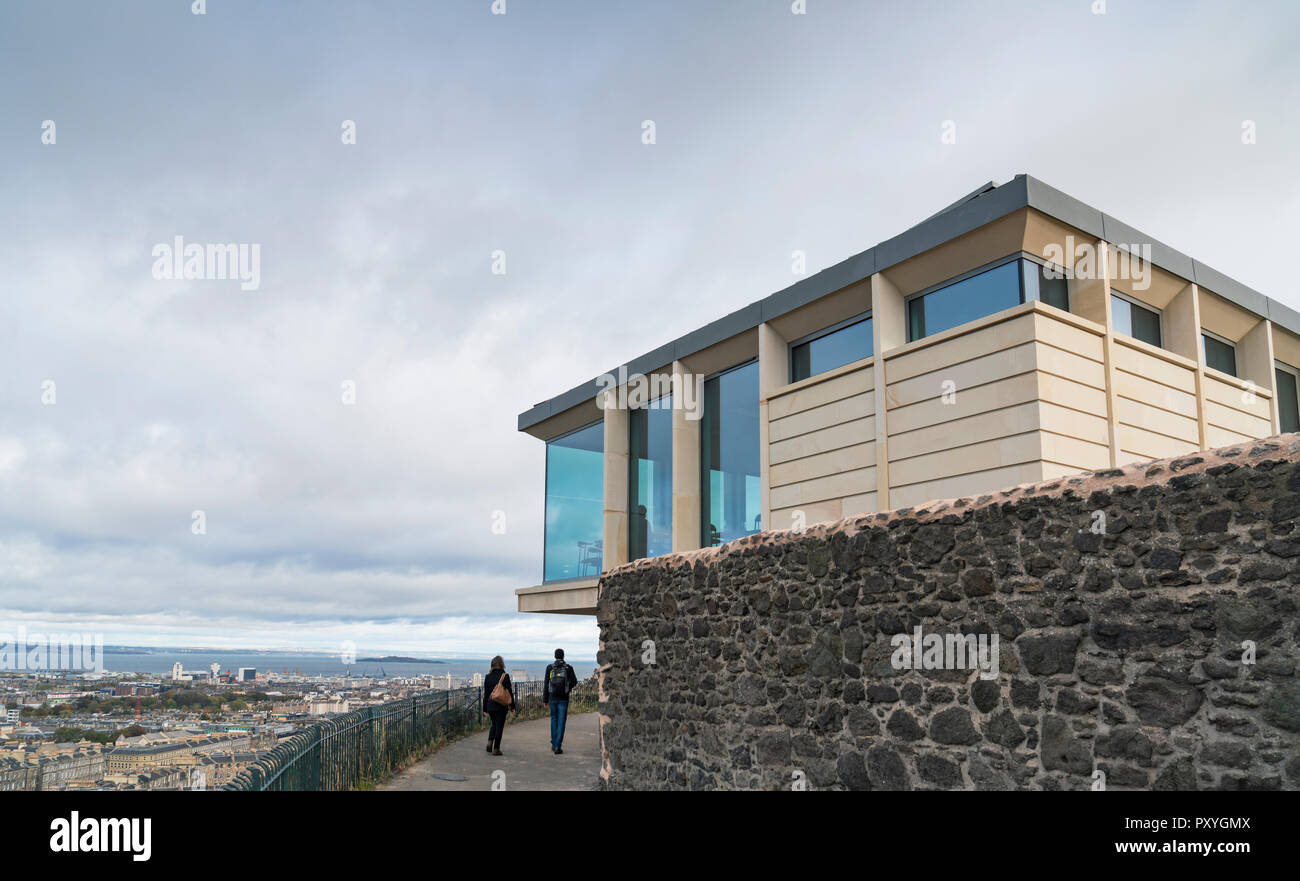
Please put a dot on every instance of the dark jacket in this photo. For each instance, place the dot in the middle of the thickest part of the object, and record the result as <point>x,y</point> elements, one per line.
<point>546,682</point>
<point>489,683</point>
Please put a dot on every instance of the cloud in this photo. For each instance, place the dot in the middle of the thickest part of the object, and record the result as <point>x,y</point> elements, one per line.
<point>477,133</point>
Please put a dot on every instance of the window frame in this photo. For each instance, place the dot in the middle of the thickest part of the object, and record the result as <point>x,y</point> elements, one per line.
<point>818,334</point>
<point>1295,372</point>
<point>980,270</point>
<point>1066,275</point>
<point>546,494</point>
<point>1134,301</point>
<point>1225,341</point>
<point>631,466</point>
<point>704,472</point>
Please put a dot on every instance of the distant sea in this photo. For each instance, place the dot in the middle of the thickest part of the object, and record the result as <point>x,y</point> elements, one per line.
<point>160,662</point>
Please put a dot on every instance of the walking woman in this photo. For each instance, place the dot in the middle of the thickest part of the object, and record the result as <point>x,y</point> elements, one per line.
<point>496,709</point>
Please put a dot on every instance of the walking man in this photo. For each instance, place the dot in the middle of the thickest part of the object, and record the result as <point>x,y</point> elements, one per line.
<point>559,681</point>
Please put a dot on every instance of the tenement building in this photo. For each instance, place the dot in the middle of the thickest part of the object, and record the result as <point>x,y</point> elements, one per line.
<point>1016,336</point>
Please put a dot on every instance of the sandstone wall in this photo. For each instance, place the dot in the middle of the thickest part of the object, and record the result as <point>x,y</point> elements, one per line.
<point>1123,642</point>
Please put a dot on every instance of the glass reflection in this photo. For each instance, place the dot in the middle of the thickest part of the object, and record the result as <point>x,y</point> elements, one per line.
<point>575,501</point>
<point>730,504</point>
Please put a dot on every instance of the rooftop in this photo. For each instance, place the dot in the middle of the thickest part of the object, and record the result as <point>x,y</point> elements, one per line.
<point>981,206</point>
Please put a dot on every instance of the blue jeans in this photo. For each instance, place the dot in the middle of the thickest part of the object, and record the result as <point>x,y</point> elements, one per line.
<point>559,715</point>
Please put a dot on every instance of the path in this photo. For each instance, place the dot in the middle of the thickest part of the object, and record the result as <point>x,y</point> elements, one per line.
<point>526,760</point>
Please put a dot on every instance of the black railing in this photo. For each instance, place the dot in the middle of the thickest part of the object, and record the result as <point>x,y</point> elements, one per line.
<point>344,751</point>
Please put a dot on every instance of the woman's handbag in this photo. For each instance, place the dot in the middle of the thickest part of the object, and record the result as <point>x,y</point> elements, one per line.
<point>500,694</point>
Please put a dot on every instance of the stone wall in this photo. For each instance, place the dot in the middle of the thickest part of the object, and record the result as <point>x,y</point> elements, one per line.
<point>1124,604</point>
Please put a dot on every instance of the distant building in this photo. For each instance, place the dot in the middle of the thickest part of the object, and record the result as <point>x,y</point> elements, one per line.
<point>246,674</point>
<point>326,707</point>
<point>127,689</point>
<point>519,676</point>
<point>289,708</point>
<point>134,759</point>
<point>154,779</point>
<point>51,766</point>
<point>64,697</point>
<point>218,769</point>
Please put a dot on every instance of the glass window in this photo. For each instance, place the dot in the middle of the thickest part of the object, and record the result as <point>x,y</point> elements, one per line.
<point>1219,355</point>
<point>1133,320</point>
<point>992,290</point>
<point>1042,284</point>
<point>575,503</point>
<point>831,350</point>
<point>730,504</point>
<point>1288,399</point>
<point>650,480</point>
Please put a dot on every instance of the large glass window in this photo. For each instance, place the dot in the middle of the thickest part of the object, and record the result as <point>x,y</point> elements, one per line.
<point>830,349</point>
<point>730,502</point>
<point>575,502</point>
<point>1288,397</point>
<point>1133,320</point>
<point>650,479</point>
<point>992,290</point>
<point>1219,354</point>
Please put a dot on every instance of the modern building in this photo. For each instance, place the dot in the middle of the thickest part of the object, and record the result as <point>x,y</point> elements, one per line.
<point>1017,335</point>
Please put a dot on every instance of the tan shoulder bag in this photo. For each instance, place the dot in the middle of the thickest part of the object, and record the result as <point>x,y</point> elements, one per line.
<point>500,694</point>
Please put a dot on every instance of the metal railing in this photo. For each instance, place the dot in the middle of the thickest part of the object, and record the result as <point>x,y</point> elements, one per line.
<point>341,752</point>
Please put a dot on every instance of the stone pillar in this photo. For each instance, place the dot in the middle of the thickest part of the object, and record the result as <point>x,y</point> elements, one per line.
<point>888,332</point>
<point>1255,364</point>
<point>616,485</point>
<point>1095,295</point>
<point>773,374</point>
<point>1182,321</point>
<point>686,458</point>
<point>1089,288</point>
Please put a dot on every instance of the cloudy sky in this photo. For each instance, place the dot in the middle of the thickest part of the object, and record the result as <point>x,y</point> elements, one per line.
<point>519,133</point>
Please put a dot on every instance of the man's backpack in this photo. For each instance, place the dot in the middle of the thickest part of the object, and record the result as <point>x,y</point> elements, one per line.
<point>558,686</point>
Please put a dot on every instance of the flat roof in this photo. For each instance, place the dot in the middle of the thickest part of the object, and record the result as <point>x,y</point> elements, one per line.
<point>978,208</point>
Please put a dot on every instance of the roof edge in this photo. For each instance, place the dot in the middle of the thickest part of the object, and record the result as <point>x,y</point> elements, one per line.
<point>981,206</point>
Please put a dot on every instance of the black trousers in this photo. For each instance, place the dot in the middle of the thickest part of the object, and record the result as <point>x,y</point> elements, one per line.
<point>498,718</point>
